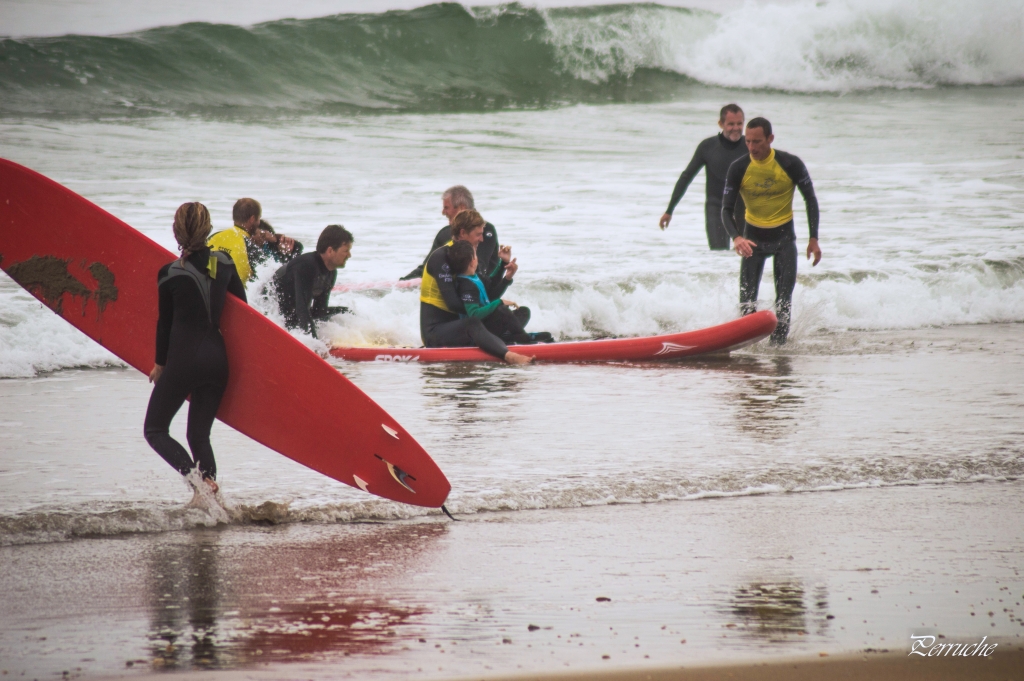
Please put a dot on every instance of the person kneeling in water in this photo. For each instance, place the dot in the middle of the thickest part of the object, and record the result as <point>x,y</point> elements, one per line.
<point>303,286</point>
<point>497,315</point>
<point>440,306</point>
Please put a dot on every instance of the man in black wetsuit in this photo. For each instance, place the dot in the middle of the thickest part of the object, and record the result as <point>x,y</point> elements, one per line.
<point>303,286</point>
<point>766,179</point>
<point>191,358</point>
<point>440,303</point>
<point>715,154</point>
<point>455,200</point>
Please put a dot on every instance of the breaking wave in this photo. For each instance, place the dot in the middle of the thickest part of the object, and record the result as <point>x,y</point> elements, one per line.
<point>447,57</point>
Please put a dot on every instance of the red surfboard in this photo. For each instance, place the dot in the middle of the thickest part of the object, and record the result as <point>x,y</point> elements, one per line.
<point>377,285</point>
<point>100,275</point>
<point>716,339</point>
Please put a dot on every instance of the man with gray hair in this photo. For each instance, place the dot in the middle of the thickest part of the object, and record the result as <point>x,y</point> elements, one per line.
<point>454,200</point>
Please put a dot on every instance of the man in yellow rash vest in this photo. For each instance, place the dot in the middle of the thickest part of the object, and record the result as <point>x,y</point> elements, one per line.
<point>236,240</point>
<point>767,179</point>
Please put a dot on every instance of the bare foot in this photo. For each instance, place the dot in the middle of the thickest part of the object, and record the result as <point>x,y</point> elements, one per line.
<point>214,487</point>
<point>516,358</point>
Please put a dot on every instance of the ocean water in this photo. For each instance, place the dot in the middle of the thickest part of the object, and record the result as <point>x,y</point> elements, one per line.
<point>570,125</point>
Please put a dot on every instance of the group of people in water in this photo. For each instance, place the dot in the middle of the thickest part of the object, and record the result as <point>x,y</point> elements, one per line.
<point>463,278</point>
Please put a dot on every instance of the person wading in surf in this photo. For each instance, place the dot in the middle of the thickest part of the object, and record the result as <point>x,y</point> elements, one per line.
<point>766,179</point>
<point>715,155</point>
<point>191,358</point>
<point>246,235</point>
<point>455,200</point>
<point>303,286</point>
<point>440,304</point>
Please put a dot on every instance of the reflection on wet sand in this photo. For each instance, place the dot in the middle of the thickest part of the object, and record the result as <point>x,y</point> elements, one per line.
<point>216,606</point>
<point>777,611</point>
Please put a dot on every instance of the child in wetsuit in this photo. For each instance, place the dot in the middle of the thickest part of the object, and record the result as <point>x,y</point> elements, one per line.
<point>496,315</point>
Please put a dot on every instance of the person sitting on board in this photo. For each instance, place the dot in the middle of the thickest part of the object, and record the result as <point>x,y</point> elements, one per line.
<point>455,200</point>
<point>440,305</point>
<point>496,314</point>
<point>303,286</point>
<point>191,358</point>
<point>270,250</point>
<point>235,241</point>
<point>766,179</point>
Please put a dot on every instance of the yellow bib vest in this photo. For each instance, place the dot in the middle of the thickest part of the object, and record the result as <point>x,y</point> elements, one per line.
<point>767,192</point>
<point>429,291</point>
<point>232,242</point>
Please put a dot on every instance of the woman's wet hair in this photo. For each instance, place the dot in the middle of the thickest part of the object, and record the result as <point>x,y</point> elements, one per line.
<point>333,236</point>
<point>191,227</point>
<point>466,221</point>
<point>460,255</point>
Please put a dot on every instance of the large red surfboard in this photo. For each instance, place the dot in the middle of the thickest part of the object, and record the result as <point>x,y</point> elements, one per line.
<point>716,339</point>
<point>100,275</point>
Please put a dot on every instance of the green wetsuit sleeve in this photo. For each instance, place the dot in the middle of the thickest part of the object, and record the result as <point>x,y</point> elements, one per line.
<point>481,311</point>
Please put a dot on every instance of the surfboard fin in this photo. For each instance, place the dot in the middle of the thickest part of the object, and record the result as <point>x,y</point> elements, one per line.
<point>390,431</point>
<point>398,474</point>
<point>360,482</point>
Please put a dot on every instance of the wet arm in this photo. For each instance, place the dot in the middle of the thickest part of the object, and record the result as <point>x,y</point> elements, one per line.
<point>163,324</point>
<point>690,172</point>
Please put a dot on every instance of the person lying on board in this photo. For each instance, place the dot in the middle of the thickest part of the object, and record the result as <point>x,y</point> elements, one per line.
<point>496,314</point>
<point>440,306</point>
<point>235,240</point>
<point>265,245</point>
<point>455,200</point>
<point>303,286</point>
<point>191,358</point>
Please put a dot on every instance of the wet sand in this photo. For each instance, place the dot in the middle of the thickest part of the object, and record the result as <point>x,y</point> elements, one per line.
<point>741,580</point>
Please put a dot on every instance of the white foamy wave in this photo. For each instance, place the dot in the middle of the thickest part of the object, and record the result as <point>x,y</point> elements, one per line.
<point>836,46</point>
<point>977,293</point>
<point>33,339</point>
<point>46,525</point>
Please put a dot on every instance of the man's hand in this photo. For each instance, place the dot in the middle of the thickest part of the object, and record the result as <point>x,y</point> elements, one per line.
<point>285,244</point>
<point>745,247</point>
<point>510,303</point>
<point>665,219</point>
<point>262,236</point>
<point>154,375</point>
<point>812,248</point>
<point>505,253</point>
<point>511,268</point>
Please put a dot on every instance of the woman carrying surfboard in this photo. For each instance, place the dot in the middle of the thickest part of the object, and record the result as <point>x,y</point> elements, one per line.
<point>191,358</point>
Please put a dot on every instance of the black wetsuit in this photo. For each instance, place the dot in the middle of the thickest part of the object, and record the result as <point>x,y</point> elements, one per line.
<point>486,251</point>
<point>442,327</point>
<point>303,289</point>
<point>777,243</point>
<point>191,349</point>
<point>268,251</point>
<point>715,154</point>
<point>505,323</point>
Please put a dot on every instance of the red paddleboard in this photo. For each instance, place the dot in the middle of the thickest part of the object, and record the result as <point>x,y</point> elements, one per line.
<point>716,339</point>
<point>377,285</point>
<point>99,274</point>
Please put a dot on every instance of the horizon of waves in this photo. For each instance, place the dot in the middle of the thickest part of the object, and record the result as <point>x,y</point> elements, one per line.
<point>106,519</point>
<point>447,57</point>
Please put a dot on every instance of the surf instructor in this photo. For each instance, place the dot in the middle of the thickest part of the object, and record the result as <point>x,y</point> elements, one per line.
<point>767,179</point>
<point>246,235</point>
<point>440,304</point>
<point>191,358</point>
<point>715,155</point>
<point>454,200</point>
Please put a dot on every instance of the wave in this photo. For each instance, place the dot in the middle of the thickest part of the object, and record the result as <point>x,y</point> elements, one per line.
<point>971,291</point>
<point>103,520</point>
<point>447,57</point>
